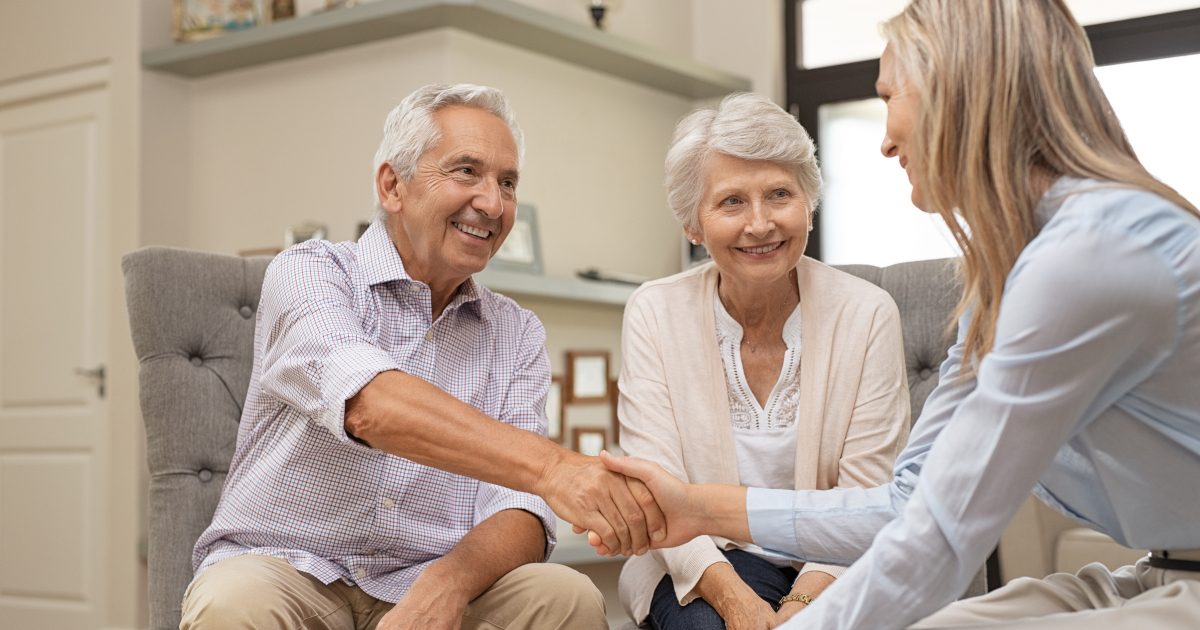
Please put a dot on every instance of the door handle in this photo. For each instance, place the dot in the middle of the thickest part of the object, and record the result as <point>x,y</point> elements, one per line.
<point>97,373</point>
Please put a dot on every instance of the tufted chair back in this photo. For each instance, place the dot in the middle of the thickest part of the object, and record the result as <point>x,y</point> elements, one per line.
<point>925,292</point>
<point>192,320</point>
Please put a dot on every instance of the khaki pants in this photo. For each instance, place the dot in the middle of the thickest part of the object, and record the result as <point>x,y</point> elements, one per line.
<point>1137,596</point>
<point>261,592</point>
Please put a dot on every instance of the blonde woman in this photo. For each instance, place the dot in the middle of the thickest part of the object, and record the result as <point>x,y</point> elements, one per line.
<point>762,367</point>
<point>1077,368</point>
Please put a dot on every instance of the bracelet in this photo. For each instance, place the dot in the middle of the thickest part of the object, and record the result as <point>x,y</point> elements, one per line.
<point>803,598</point>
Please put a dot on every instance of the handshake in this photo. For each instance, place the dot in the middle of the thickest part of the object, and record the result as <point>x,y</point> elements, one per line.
<point>628,506</point>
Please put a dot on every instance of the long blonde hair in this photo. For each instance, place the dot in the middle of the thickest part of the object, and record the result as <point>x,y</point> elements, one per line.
<point>1009,101</point>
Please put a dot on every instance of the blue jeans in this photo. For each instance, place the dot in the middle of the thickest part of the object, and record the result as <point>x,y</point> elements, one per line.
<point>767,580</point>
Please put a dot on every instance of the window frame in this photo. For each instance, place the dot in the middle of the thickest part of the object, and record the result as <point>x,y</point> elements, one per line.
<point>807,89</point>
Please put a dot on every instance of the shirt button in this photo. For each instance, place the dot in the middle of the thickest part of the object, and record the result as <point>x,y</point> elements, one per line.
<point>369,552</point>
<point>360,573</point>
<point>388,504</point>
<point>429,335</point>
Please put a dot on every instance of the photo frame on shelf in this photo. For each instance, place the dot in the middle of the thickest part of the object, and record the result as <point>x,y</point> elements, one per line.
<point>276,10</point>
<point>522,249</point>
<point>304,232</point>
<point>587,376</point>
<point>614,396</point>
<point>589,440</point>
<point>198,20</point>
<point>555,411</point>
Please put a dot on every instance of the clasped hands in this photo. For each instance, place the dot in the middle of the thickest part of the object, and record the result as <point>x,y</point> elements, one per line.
<point>627,506</point>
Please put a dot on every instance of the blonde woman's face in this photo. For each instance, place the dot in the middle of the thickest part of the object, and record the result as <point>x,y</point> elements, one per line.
<point>753,217</point>
<point>903,105</point>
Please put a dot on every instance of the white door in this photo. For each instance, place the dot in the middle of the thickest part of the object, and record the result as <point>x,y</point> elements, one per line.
<point>53,422</point>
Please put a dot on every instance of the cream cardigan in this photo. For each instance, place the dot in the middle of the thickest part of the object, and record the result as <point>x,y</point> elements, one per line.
<point>852,420</point>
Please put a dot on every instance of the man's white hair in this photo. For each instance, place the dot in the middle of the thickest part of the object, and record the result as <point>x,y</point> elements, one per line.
<point>747,126</point>
<point>410,131</point>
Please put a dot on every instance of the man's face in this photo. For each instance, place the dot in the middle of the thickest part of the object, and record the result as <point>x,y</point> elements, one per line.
<point>460,204</point>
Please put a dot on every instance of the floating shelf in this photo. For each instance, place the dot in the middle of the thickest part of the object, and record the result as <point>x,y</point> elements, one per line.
<point>516,285</point>
<point>501,20</point>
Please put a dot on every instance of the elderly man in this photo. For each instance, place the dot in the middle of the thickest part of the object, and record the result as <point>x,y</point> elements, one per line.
<point>392,426</point>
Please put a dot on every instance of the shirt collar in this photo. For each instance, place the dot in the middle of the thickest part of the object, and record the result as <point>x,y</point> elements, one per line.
<point>382,263</point>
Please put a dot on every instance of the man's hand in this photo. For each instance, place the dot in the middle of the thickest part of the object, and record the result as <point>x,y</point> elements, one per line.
<point>431,603</point>
<point>669,494</point>
<point>623,516</point>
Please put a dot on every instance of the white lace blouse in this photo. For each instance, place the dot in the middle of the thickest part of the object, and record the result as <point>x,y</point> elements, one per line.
<point>764,437</point>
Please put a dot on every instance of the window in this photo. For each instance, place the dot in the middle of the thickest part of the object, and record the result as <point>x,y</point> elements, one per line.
<point>840,31</point>
<point>1147,65</point>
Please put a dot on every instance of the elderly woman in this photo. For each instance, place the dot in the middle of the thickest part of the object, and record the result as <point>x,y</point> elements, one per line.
<point>762,367</point>
<point>1075,371</point>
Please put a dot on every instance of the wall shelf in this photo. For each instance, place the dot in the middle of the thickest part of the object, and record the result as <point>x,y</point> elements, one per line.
<point>517,285</point>
<point>501,20</point>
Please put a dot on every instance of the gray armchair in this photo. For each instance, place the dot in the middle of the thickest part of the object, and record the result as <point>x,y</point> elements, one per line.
<point>192,320</point>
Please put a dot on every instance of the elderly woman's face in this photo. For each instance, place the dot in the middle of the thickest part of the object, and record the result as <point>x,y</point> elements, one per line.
<point>753,218</point>
<point>902,107</point>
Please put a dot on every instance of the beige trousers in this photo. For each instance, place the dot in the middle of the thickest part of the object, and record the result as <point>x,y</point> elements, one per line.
<point>1132,597</point>
<point>260,592</point>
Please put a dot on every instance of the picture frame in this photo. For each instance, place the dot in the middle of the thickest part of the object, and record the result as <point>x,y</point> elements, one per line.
<point>614,396</point>
<point>587,376</point>
<point>522,249</point>
<point>304,232</point>
<point>589,440</point>
<point>198,20</point>
<point>555,410</point>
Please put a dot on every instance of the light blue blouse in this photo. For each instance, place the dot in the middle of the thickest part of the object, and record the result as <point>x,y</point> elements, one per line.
<point>1090,397</point>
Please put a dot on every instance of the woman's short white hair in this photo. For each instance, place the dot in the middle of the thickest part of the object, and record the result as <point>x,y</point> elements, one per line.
<point>747,126</point>
<point>409,130</point>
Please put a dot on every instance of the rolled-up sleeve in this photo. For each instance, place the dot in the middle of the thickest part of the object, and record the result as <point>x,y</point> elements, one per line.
<point>315,352</point>
<point>524,408</point>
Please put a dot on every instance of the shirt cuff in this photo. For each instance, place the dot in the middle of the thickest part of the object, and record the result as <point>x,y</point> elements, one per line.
<point>687,563</point>
<point>347,371</point>
<point>495,499</point>
<point>832,569</point>
<point>771,516</point>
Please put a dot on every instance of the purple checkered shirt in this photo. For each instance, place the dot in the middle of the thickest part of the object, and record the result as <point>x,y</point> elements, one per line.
<point>331,317</point>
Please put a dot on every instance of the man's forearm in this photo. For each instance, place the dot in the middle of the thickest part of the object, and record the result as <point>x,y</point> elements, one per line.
<point>493,548</point>
<point>406,416</point>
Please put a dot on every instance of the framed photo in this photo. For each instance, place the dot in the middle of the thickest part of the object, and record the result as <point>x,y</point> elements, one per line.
<point>554,410</point>
<point>304,232</point>
<point>614,396</point>
<point>692,255</point>
<point>589,440</point>
<point>587,376</point>
<point>196,20</point>
<point>522,250</point>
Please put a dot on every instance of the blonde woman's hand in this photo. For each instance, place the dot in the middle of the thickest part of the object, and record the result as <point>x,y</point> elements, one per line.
<point>669,493</point>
